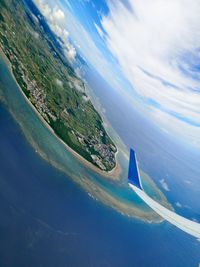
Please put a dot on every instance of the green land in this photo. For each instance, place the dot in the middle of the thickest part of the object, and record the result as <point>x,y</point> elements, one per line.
<point>50,83</point>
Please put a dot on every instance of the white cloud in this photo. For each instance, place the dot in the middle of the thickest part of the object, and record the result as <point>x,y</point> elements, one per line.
<point>179,205</point>
<point>89,50</point>
<point>71,27</point>
<point>59,82</point>
<point>99,30</point>
<point>164,185</point>
<point>35,34</point>
<point>65,34</point>
<point>157,44</point>
<point>86,98</point>
<point>195,220</point>
<point>56,19</point>
<point>150,40</point>
<point>57,14</point>
<point>70,52</point>
<point>173,126</point>
<point>188,182</point>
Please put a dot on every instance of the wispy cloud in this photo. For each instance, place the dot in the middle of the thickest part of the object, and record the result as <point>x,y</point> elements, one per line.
<point>188,182</point>
<point>157,44</point>
<point>76,37</point>
<point>164,185</point>
<point>153,44</point>
<point>99,30</point>
<point>179,205</point>
<point>56,18</point>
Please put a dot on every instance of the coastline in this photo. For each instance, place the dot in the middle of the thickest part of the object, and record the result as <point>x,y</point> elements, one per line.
<point>113,174</point>
<point>126,205</point>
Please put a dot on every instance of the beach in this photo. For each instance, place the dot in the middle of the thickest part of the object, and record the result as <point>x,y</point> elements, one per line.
<point>113,174</point>
<point>112,192</point>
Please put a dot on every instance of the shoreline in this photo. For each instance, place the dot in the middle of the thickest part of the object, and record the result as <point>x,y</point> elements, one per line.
<point>82,179</point>
<point>113,174</point>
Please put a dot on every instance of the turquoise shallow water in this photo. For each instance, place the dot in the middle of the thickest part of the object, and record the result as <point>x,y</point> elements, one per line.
<point>47,220</point>
<point>51,149</point>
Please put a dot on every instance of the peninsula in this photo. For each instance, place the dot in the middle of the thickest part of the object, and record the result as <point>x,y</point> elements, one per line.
<point>49,82</point>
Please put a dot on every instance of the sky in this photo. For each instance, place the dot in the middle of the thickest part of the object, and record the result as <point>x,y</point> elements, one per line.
<point>148,50</point>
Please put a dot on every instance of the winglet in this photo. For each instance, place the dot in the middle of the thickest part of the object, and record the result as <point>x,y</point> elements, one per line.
<point>133,173</point>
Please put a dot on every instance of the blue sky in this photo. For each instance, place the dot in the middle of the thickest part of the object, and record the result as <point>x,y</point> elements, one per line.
<point>147,50</point>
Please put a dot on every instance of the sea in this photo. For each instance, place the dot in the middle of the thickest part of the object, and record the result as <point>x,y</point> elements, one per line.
<point>49,218</point>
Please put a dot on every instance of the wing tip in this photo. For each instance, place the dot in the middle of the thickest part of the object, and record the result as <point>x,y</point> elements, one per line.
<point>133,172</point>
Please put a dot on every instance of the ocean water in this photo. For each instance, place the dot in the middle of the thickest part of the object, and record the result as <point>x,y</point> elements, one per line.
<point>53,151</point>
<point>47,219</point>
<point>159,156</point>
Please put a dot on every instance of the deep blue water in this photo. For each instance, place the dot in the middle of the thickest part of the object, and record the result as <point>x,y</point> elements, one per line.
<point>47,220</point>
<point>159,156</point>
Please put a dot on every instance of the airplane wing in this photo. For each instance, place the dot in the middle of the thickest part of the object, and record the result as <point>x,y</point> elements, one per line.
<point>133,173</point>
<point>186,225</point>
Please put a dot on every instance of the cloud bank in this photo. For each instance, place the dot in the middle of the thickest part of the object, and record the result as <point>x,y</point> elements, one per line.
<point>157,44</point>
<point>56,20</point>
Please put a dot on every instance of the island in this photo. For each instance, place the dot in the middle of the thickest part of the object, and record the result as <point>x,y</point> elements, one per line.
<point>51,84</point>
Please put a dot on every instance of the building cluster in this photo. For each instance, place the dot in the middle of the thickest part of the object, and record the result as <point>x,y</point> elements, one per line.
<point>104,153</point>
<point>37,94</point>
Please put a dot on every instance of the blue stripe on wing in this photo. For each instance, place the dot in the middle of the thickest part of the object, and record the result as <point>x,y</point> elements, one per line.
<point>133,175</point>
